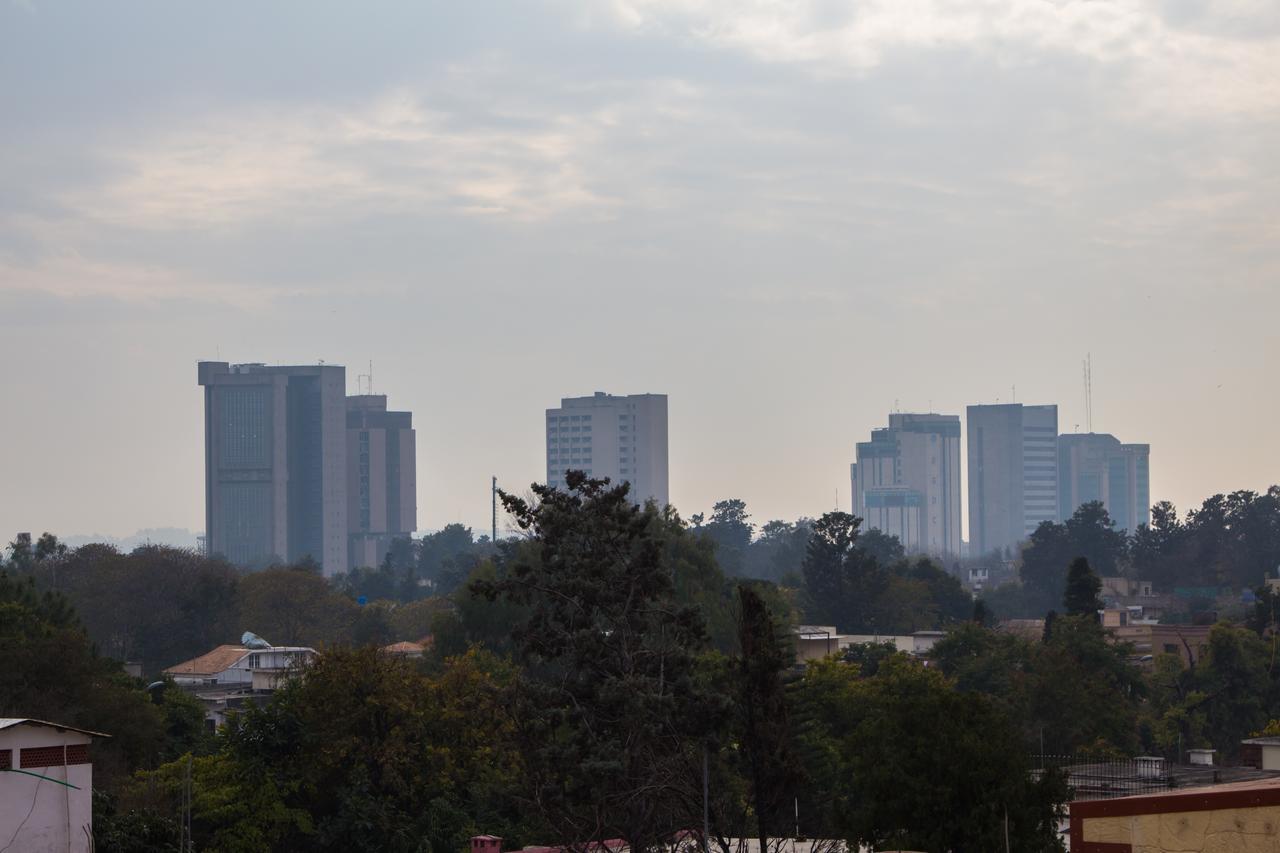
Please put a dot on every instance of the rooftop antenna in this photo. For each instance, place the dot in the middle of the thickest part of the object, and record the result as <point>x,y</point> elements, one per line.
<point>1013,390</point>
<point>1088,391</point>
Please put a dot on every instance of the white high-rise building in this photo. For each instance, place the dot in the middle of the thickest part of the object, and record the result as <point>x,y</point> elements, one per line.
<point>622,438</point>
<point>906,482</point>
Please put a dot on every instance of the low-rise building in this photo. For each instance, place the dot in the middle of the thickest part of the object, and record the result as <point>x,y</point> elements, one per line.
<point>814,642</point>
<point>46,786</point>
<point>1243,817</point>
<point>224,678</point>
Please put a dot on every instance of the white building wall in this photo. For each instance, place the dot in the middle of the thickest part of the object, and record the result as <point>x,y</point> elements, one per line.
<point>40,815</point>
<point>623,438</point>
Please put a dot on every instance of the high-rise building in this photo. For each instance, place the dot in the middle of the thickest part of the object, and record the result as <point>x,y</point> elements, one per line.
<point>1013,473</point>
<point>275,463</point>
<point>295,469</point>
<point>1098,467</point>
<point>906,482</point>
<point>623,438</point>
<point>382,503</point>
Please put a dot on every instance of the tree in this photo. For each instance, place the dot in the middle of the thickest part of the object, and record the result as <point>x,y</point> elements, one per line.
<point>50,670</point>
<point>843,584</point>
<point>1089,533</point>
<point>762,704</point>
<point>292,607</point>
<point>881,547</point>
<point>1083,590</point>
<point>609,688</point>
<point>778,552</point>
<point>907,724</point>
<point>730,530</point>
<point>156,605</point>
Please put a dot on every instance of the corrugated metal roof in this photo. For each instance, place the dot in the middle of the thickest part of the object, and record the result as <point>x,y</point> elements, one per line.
<point>10,722</point>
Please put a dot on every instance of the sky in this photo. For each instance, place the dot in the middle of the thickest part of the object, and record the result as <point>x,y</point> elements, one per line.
<point>792,218</point>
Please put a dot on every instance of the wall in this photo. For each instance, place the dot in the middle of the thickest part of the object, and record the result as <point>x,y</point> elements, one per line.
<point>61,819</point>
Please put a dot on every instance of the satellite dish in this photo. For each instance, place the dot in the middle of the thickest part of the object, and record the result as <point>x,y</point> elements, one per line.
<point>251,640</point>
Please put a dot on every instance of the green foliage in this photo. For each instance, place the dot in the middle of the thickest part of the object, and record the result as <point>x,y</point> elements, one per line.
<point>49,670</point>
<point>905,744</point>
<point>156,605</point>
<point>1083,590</point>
<point>1089,533</point>
<point>610,687</point>
<point>1072,690</point>
<point>292,606</point>
<point>730,531</point>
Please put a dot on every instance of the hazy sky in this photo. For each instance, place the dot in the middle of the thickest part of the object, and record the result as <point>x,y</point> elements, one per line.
<point>786,216</point>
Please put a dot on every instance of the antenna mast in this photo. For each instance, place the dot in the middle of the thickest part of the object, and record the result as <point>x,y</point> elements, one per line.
<point>493,498</point>
<point>1088,391</point>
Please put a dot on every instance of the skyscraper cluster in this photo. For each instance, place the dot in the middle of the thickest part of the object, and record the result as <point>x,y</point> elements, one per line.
<point>296,469</point>
<point>1022,472</point>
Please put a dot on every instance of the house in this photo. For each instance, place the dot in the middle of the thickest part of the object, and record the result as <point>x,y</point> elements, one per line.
<point>46,786</point>
<point>225,678</point>
<point>1240,816</point>
<point>238,665</point>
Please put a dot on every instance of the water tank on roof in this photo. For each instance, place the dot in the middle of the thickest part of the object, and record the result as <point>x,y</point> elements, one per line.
<point>251,640</point>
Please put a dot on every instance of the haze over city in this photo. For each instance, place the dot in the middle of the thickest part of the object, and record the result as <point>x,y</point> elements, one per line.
<point>792,220</point>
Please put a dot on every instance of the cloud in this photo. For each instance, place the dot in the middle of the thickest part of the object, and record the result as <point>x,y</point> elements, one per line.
<point>1188,64</point>
<point>69,276</point>
<point>396,153</point>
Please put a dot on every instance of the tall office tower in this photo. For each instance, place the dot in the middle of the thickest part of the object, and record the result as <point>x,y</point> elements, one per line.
<point>1097,467</point>
<point>1013,473</point>
<point>275,463</point>
<point>382,486</point>
<point>906,482</point>
<point>622,438</point>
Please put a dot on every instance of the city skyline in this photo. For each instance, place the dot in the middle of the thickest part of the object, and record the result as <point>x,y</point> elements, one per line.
<point>784,217</point>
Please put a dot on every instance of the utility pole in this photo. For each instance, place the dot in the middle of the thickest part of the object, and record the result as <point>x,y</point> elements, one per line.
<point>493,498</point>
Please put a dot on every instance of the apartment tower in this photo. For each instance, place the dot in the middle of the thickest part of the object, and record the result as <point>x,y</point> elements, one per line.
<point>623,438</point>
<point>906,482</point>
<point>1013,473</point>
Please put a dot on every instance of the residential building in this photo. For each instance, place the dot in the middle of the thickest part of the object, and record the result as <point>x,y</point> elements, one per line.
<point>906,482</point>
<point>1098,467</point>
<point>382,486</point>
<point>1013,473</point>
<point>275,463</point>
<point>46,801</point>
<point>623,438</point>
<point>226,677</point>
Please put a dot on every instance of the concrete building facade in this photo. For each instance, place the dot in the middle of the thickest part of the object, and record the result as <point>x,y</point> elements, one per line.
<point>623,438</point>
<point>906,482</point>
<point>1098,467</point>
<point>382,487</point>
<point>294,469</point>
<point>1013,473</point>
<point>275,472</point>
